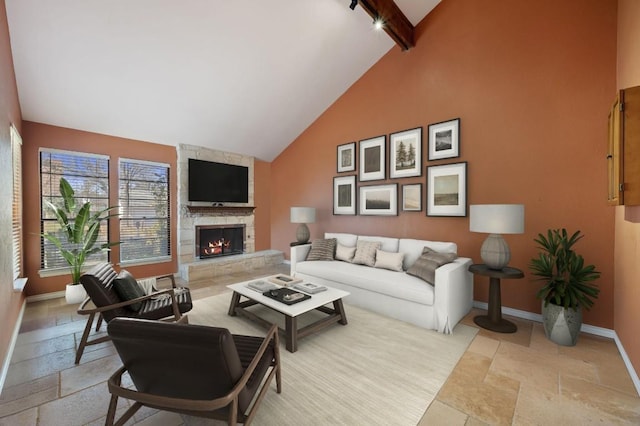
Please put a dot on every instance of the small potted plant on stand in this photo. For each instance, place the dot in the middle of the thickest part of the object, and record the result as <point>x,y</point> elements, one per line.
<point>568,285</point>
<point>80,230</point>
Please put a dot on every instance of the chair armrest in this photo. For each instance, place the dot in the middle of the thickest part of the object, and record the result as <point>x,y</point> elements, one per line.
<point>83,311</point>
<point>298,254</point>
<point>170,277</point>
<point>453,293</point>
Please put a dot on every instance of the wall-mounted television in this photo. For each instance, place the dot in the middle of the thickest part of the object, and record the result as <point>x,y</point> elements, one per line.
<point>218,182</point>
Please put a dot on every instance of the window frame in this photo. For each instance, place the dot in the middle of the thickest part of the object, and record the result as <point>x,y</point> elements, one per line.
<point>161,258</point>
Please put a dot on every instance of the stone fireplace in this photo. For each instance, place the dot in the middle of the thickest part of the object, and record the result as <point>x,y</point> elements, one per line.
<point>219,240</point>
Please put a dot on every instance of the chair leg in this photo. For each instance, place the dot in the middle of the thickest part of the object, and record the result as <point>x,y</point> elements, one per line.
<point>276,355</point>
<point>99,323</point>
<point>85,336</point>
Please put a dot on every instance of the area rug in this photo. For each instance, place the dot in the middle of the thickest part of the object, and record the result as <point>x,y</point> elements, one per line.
<point>373,371</point>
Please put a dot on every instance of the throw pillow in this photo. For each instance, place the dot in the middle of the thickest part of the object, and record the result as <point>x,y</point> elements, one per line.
<point>387,260</point>
<point>426,265</point>
<point>366,252</point>
<point>127,288</point>
<point>345,253</point>
<point>322,249</point>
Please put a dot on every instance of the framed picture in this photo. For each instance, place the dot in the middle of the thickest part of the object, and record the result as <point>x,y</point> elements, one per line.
<point>405,153</point>
<point>347,157</point>
<point>444,139</point>
<point>447,190</point>
<point>344,195</point>
<point>372,159</point>
<point>379,200</point>
<point>412,197</point>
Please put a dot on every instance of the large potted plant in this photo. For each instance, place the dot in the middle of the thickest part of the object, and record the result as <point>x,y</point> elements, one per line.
<point>569,285</point>
<point>76,236</point>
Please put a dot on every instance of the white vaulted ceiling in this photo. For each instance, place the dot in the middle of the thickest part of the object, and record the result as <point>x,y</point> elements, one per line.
<point>239,76</point>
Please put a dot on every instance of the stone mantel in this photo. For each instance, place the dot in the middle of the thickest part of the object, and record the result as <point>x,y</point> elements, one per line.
<point>220,210</point>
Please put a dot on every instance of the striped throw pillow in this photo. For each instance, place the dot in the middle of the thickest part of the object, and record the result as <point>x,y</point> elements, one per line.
<point>322,249</point>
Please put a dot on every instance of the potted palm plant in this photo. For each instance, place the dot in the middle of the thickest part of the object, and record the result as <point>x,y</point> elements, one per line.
<point>76,236</point>
<point>568,285</point>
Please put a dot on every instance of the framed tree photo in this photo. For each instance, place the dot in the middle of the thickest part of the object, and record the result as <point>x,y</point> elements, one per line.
<point>347,157</point>
<point>412,197</point>
<point>405,153</point>
<point>372,159</point>
<point>379,200</point>
<point>447,190</point>
<point>444,139</point>
<point>344,195</point>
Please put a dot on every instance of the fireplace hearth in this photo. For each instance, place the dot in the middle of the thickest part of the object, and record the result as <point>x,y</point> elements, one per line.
<point>219,240</point>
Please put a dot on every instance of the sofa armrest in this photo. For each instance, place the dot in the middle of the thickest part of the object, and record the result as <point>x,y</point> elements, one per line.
<point>453,296</point>
<point>298,254</point>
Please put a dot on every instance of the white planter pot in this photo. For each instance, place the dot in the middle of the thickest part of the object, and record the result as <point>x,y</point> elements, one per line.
<point>561,325</point>
<point>75,294</point>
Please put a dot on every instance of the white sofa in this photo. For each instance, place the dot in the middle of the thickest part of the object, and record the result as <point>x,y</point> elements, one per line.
<point>395,293</point>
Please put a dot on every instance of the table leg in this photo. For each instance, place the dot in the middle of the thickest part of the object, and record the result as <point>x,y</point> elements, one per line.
<point>339,308</point>
<point>493,320</point>
<point>495,301</point>
<point>235,299</point>
<point>291,333</point>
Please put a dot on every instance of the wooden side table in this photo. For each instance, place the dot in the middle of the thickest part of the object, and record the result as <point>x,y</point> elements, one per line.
<point>493,320</point>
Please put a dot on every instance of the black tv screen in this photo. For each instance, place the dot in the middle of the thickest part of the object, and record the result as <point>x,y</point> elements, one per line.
<point>218,182</point>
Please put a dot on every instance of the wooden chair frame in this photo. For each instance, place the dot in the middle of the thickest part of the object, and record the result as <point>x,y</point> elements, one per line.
<point>200,408</point>
<point>83,310</point>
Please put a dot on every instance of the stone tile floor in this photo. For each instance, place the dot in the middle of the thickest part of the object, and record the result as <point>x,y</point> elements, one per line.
<point>517,379</point>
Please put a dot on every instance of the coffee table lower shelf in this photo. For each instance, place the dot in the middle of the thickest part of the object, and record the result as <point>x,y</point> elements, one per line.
<point>291,331</point>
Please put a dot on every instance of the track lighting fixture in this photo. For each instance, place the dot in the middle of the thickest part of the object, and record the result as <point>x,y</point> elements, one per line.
<point>353,4</point>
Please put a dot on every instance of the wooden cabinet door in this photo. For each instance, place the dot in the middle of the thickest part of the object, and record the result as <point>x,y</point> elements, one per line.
<point>631,145</point>
<point>615,196</point>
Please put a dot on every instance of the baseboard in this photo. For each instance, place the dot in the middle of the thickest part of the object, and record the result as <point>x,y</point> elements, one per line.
<point>627,363</point>
<point>45,296</point>
<point>586,328</point>
<point>12,345</point>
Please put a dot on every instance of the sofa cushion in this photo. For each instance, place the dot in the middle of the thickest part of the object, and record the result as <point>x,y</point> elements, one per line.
<point>348,240</point>
<point>366,252</point>
<point>426,265</point>
<point>127,288</point>
<point>322,249</point>
<point>390,283</point>
<point>391,261</point>
<point>387,244</point>
<point>345,253</point>
<point>412,249</point>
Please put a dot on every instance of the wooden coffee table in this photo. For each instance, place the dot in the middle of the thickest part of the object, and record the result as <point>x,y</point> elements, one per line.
<point>291,313</point>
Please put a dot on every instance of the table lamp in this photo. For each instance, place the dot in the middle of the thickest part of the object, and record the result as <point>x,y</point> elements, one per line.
<point>303,215</point>
<point>496,219</point>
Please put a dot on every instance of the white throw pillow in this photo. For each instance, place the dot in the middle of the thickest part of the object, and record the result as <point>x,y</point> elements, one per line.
<point>386,260</point>
<point>345,253</point>
<point>366,252</point>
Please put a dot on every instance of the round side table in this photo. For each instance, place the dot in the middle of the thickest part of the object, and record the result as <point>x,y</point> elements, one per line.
<point>493,320</point>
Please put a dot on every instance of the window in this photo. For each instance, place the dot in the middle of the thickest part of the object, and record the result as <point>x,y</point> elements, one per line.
<point>88,175</point>
<point>16,204</point>
<point>144,212</point>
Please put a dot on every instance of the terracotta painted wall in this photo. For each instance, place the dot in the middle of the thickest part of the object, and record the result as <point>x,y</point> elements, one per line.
<point>532,83</point>
<point>262,199</point>
<point>627,240</point>
<point>10,302</point>
<point>36,136</point>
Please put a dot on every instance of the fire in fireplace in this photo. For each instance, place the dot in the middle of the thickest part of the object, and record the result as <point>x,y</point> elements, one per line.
<point>219,240</point>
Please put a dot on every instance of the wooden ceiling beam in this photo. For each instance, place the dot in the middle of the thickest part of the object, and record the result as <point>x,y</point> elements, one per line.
<point>396,24</point>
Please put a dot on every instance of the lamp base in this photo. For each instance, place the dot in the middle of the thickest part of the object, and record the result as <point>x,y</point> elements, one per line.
<point>302,233</point>
<point>495,252</point>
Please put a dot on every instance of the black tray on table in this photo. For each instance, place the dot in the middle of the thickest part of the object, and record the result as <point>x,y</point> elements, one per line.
<point>286,295</point>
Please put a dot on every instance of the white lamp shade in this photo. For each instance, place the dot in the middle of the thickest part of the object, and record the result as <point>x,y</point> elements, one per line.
<point>303,214</point>
<point>497,218</point>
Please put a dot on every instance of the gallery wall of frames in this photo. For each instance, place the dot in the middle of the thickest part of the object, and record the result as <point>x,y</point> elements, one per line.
<point>371,172</point>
